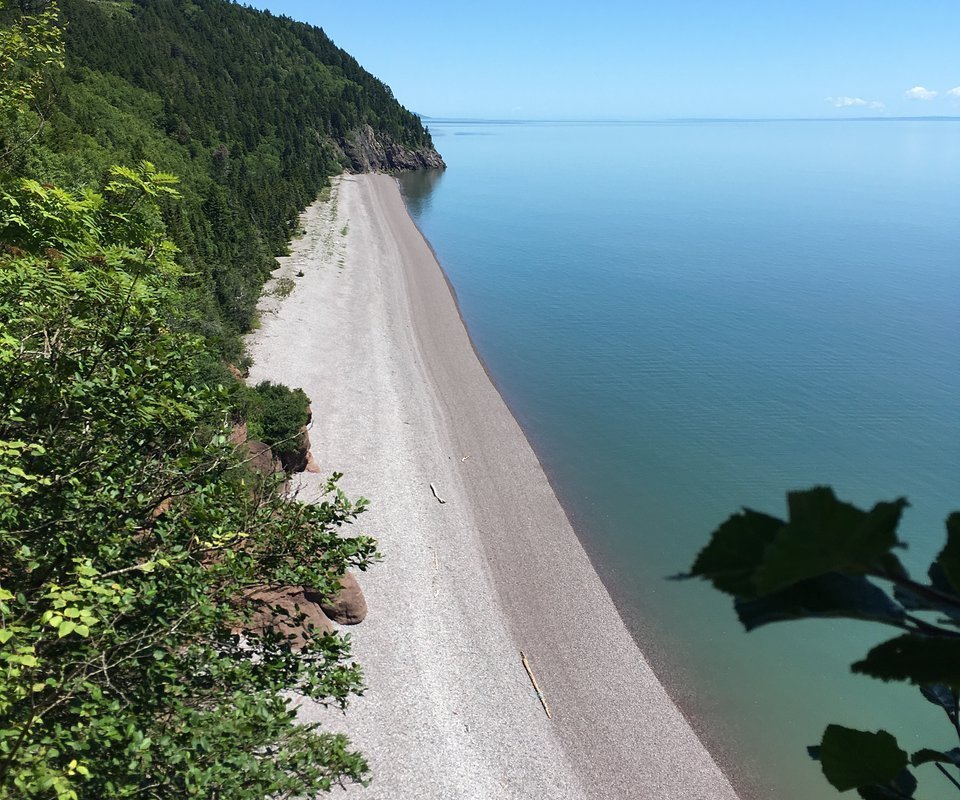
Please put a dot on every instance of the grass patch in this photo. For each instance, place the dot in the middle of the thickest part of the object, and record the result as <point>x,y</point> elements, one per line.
<point>283,287</point>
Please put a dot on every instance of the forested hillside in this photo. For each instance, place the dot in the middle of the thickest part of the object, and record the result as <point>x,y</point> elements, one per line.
<point>253,112</point>
<point>153,158</point>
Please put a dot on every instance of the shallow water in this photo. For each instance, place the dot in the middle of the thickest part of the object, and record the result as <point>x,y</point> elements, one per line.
<point>691,317</point>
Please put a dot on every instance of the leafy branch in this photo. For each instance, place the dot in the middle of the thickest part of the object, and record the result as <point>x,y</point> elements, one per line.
<point>831,559</point>
<point>129,527</point>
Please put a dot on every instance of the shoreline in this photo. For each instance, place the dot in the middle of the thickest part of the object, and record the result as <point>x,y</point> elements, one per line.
<point>745,784</point>
<point>402,400</point>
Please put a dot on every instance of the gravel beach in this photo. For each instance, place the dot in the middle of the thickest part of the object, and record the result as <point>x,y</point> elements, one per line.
<point>400,401</point>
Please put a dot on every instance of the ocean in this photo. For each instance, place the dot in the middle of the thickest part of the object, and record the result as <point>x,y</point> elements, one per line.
<point>690,317</point>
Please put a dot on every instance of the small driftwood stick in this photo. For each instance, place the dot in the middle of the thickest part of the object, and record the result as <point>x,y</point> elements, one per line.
<point>434,490</point>
<point>536,686</point>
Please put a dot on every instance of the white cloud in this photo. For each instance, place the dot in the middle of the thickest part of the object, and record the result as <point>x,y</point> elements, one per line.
<point>855,102</point>
<point>919,93</point>
<point>954,93</point>
<point>846,102</point>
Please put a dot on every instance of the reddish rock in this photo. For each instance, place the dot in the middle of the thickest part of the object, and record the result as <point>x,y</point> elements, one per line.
<point>259,457</point>
<point>348,606</point>
<point>161,508</point>
<point>239,434</point>
<point>299,460</point>
<point>311,465</point>
<point>289,610</point>
<point>296,461</point>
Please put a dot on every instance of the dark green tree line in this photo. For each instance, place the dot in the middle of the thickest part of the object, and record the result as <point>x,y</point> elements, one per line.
<point>249,109</point>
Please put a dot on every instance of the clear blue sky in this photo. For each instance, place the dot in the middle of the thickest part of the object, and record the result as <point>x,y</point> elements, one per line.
<point>635,60</point>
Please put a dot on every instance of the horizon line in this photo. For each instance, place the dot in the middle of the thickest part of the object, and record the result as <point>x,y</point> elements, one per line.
<point>655,120</point>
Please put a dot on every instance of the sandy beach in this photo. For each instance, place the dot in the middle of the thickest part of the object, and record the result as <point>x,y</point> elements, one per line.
<point>400,401</point>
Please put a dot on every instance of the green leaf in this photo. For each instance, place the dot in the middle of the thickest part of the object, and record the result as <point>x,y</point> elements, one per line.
<point>943,696</point>
<point>904,785</point>
<point>927,756</point>
<point>949,558</point>
<point>734,552</point>
<point>826,535</point>
<point>830,595</point>
<point>939,596</point>
<point>852,758</point>
<point>915,659</point>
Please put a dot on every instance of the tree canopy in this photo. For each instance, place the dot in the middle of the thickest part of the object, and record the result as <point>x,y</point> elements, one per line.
<point>135,542</point>
<point>250,110</point>
<point>131,534</point>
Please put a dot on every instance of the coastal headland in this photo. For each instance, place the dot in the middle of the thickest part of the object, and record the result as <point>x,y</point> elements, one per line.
<point>480,562</point>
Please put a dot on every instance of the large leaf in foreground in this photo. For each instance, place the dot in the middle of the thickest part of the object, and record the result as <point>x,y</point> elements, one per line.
<point>949,558</point>
<point>852,758</point>
<point>903,786</point>
<point>943,696</point>
<point>922,660</point>
<point>735,551</point>
<point>827,535</point>
<point>831,595</point>
<point>928,756</point>
<point>939,595</point>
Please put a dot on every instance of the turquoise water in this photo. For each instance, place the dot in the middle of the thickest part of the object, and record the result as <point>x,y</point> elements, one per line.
<point>691,317</point>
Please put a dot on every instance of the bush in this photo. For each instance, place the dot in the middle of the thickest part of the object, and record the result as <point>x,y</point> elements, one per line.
<point>129,532</point>
<point>277,415</point>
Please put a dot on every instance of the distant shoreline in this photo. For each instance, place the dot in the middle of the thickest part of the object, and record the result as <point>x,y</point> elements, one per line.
<point>403,406</point>
<point>674,120</point>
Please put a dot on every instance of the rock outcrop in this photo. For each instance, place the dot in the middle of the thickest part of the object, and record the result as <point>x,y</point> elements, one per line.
<point>260,458</point>
<point>368,152</point>
<point>300,460</point>
<point>348,606</point>
<point>239,434</point>
<point>288,610</point>
<point>311,465</point>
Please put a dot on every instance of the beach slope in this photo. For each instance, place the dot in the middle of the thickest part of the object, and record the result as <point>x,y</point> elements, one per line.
<point>372,333</point>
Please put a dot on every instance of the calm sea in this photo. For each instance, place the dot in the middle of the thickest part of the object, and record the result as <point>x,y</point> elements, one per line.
<point>691,317</point>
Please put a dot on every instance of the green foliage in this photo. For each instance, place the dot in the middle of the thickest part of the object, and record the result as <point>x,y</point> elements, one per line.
<point>879,759</point>
<point>249,109</point>
<point>283,287</point>
<point>30,49</point>
<point>276,415</point>
<point>129,533</point>
<point>831,559</point>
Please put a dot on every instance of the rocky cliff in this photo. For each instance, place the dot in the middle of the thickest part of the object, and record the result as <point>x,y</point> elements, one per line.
<point>368,151</point>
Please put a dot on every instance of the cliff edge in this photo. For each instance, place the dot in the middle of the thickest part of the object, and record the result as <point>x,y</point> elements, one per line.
<point>370,151</point>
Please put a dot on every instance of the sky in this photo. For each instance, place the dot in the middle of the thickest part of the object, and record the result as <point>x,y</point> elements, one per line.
<point>616,59</point>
